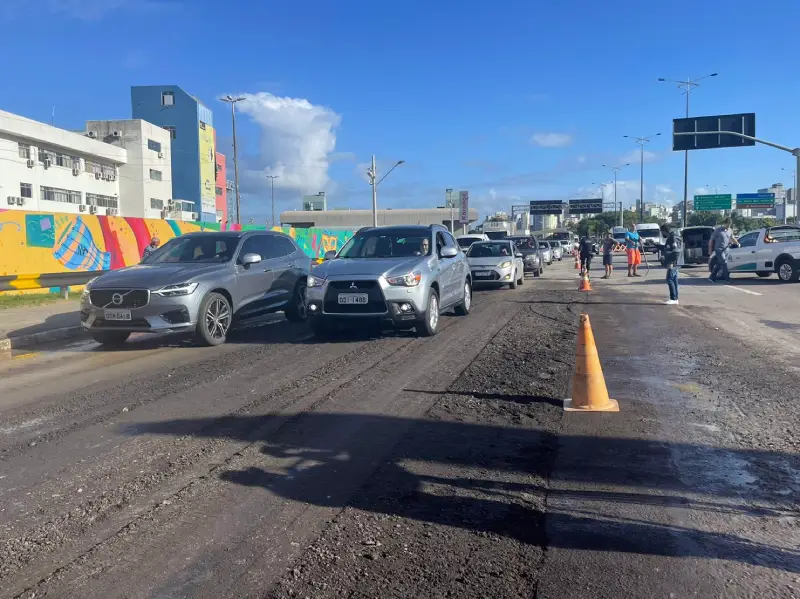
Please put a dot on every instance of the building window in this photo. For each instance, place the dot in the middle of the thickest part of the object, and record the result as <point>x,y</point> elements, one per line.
<point>53,194</point>
<point>26,190</point>
<point>171,130</point>
<point>64,160</point>
<point>155,175</point>
<point>95,199</point>
<point>46,155</point>
<point>25,151</point>
<point>168,98</point>
<point>153,145</point>
<point>219,191</point>
<point>156,204</point>
<point>202,125</point>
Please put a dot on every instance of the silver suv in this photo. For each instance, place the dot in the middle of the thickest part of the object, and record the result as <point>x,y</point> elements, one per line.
<point>404,276</point>
<point>199,282</point>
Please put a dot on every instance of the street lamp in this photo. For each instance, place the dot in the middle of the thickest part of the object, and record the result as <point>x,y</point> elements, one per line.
<point>641,141</point>
<point>232,101</point>
<point>272,181</point>
<point>616,169</point>
<point>687,86</point>
<point>794,195</point>
<point>372,173</point>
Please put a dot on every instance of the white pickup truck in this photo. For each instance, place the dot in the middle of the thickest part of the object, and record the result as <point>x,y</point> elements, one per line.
<point>767,251</point>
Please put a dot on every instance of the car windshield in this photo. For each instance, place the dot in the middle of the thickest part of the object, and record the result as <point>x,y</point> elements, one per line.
<point>648,233</point>
<point>524,243</point>
<point>387,244</point>
<point>544,246</point>
<point>465,242</point>
<point>489,250</point>
<point>205,248</point>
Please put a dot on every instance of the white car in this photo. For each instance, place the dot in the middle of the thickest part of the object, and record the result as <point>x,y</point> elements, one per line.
<point>464,241</point>
<point>496,263</point>
<point>767,251</point>
<point>558,251</point>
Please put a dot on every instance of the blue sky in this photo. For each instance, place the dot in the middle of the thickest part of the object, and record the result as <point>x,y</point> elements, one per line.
<point>512,100</point>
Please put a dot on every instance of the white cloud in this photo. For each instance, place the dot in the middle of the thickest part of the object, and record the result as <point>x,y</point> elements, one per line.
<point>701,191</point>
<point>551,140</point>
<point>635,156</point>
<point>297,142</point>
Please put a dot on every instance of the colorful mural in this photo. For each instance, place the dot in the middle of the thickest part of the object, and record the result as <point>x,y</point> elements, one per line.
<point>34,243</point>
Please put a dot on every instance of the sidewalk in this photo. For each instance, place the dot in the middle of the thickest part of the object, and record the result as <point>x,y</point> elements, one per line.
<point>29,326</point>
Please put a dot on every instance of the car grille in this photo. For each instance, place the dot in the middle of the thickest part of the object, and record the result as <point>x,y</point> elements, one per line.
<point>136,323</point>
<point>494,276</point>
<point>129,298</point>
<point>376,303</point>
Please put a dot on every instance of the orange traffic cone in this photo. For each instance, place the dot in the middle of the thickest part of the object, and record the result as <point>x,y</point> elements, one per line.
<point>585,285</point>
<point>577,262</point>
<point>589,393</point>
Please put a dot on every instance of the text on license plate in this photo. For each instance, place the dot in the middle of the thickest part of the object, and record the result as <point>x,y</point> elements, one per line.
<point>117,314</point>
<point>353,298</point>
<point>483,273</point>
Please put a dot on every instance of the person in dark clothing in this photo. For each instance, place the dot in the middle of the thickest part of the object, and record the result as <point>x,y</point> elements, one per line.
<point>586,252</point>
<point>672,249</point>
<point>609,247</point>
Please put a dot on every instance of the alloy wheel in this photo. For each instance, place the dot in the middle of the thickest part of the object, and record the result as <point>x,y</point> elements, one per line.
<point>218,318</point>
<point>433,312</point>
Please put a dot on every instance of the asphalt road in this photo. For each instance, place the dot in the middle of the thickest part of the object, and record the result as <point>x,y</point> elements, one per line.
<point>277,466</point>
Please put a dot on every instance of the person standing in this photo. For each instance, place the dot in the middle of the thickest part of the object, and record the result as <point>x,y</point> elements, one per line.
<point>585,255</point>
<point>152,247</point>
<point>632,244</point>
<point>609,247</point>
<point>718,245</point>
<point>672,249</point>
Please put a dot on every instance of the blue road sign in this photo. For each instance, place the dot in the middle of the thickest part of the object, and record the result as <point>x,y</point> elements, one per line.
<point>755,200</point>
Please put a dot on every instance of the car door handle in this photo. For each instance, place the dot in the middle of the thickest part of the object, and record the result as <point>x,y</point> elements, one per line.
<point>291,265</point>
<point>753,252</point>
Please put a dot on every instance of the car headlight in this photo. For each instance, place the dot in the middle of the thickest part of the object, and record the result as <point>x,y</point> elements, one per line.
<point>176,290</point>
<point>88,286</point>
<point>505,264</point>
<point>312,281</point>
<point>412,279</point>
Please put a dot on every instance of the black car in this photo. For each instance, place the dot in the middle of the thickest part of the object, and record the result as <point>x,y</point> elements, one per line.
<point>532,259</point>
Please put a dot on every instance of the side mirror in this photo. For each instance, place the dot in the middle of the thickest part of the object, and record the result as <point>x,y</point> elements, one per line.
<point>249,259</point>
<point>449,252</point>
<point>330,255</point>
<point>518,254</point>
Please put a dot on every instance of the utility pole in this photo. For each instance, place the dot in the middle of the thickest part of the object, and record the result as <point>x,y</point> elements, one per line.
<point>272,181</point>
<point>686,85</point>
<point>232,101</point>
<point>641,141</point>
<point>372,174</point>
<point>794,196</point>
<point>616,169</point>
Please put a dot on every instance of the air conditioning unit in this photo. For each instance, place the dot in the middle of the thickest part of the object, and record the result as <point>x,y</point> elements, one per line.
<point>92,134</point>
<point>81,207</point>
<point>112,211</point>
<point>92,209</point>
<point>31,163</point>
<point>161,154</point>
<point>117,134</point>
<point>164,213</point>
<point>195,216</point>
<point>46,163</point>
<point>76,171</point>
<point>97,175</point>
<point>11,200</point>
<point>20,201</point>
<point>112,177</point>
<point>170,203</point>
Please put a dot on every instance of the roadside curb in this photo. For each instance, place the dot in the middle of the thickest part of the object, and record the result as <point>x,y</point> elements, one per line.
<point>34,339</point>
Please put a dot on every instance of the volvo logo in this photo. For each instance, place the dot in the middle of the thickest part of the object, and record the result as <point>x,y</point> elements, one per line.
<point>116,299</point>
<point>353,285</point>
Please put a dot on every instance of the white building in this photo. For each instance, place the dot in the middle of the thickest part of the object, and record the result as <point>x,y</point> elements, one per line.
<point>47,169</point>
<point>145,180</point>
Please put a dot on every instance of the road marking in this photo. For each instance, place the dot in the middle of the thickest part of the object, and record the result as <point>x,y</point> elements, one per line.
<point>740,289</point>
<point>25,356</point>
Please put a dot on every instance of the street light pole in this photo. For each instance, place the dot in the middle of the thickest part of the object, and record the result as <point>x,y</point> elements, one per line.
<point>687,85</point>
<point>641,141</point>
<point>232,101</point>
<point>372,174</point>
<point>616,169</point>
<point>272,181</point>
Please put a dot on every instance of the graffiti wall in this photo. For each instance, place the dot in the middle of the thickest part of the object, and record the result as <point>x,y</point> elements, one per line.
<point>43,243</point>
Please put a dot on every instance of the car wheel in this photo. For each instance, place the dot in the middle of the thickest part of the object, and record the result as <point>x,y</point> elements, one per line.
<point>537,273</point>
<point>297,311</point>
<point>463,308</point>
<point>110,337</point>
<point>521,280</point>
<point>214,320</point>
<point>787,271</point>
<point>513,283</point>
<point>429,323</point>
<point>764,274</point>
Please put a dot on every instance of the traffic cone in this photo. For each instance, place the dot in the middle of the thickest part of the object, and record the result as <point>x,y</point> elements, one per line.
<point>585,285</point>
<point>577,262</point>
<point>589,393</point>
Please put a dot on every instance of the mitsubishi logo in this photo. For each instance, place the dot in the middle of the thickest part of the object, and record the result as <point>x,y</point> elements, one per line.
<point>353,285</point>
<point>116,299</point>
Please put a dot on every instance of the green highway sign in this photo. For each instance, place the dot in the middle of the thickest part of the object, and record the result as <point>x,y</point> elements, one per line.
<point>713,202</point>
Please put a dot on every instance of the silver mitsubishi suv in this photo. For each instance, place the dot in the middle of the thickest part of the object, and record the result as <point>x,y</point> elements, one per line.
<point>403,276</point>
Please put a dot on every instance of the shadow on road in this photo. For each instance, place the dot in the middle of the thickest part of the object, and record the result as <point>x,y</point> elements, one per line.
<point>323,459</point>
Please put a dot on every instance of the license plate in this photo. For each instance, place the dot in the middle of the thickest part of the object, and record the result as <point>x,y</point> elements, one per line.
<point>353,298</point>
<point>483,273</point>
<point>117,314</point>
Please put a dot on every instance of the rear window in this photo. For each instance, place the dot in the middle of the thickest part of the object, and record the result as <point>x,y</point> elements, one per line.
<point>489,250</point>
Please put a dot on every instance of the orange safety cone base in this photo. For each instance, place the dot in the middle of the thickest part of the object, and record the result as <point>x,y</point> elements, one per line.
<point>611,406</point>
<point>585,285</point>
